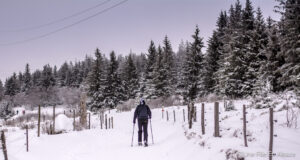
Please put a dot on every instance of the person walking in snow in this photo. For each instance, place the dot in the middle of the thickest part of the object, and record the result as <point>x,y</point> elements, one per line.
<point>142,113</point>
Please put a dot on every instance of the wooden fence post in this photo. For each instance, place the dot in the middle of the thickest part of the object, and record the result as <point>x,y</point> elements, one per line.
<point>188,111</point>
<point>101,120</point>
<point>191,114</point>
<point>244,126</point>
<point>51,130</point>
<point>4,149</point>
<point>27,144</point>
<point>174,115</point>
<point>167,116</point>
<point>195,113</point>
<point>271,134</point>
<point>162,113</point>
<point>216,118</point>
<point>202,119</point>
<point>108,122</point>
<point>53,127</point>
<point>74,120</point>
<point>39,121</point>
<point>183,115</point>
<point>112,122</point>
<point>105,121</point>
<point>89,120</point>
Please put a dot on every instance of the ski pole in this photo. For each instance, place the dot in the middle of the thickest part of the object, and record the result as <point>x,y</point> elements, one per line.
<point>132,135</point>
<point>151,132</point>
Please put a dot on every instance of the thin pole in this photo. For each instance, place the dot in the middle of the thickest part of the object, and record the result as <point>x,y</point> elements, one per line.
<point>244,126</point>
<point>39,120</point>
<point>271,134</point>
<point>4,149</point>
<point>202,119</point>
<point>53,127</point>
<point>183,116</point>
<point>27,148</point>
<point>132,134</point>
<point>74,120</point>
<point>151,132</point>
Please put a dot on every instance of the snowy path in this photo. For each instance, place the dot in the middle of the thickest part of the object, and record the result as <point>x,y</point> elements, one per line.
<point>172,140</point>
<point>113,144</point>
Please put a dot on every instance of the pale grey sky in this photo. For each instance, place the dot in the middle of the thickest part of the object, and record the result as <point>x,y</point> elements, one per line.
<point>129,26</point>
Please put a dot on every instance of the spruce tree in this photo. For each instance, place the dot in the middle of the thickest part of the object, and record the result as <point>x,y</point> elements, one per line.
<point>11,86</point>
<point>168,66</point>
<point>36,78</point>
<point>131,79</point>
<point>274,60</point>
<point>234,68</point>
<point>87,67</point>
<point>1,91</point>
<point>211,64</point>
<point>149,73</point>
<point>114,92</point>
<point>290,44</point>
<point>193,68</point>
<point>214,58</point>
<point>20,81</point>
<point>27,79</point>
<point>47,77</point>
<point>160,76</point>
<point>251,50</point>
<point>180,58</point>
<point>96,82</point>
<point>64,75</point>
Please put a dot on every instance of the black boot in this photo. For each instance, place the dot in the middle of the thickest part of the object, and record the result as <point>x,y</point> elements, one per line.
<point>146,144</point>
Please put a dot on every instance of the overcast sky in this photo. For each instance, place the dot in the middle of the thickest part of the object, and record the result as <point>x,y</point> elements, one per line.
<point>129,26</point>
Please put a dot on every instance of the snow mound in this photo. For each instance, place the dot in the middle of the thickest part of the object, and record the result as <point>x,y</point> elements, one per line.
<point>63,123</point>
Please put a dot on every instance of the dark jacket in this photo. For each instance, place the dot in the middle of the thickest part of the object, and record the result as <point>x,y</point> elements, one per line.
<point>142,111</point>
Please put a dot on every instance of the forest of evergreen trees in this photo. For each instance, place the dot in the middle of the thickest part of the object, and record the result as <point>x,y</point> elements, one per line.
<point>245,54</point>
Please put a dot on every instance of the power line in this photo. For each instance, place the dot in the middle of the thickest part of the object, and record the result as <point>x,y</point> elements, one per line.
<point>56,21</point>
<point>65,27</point>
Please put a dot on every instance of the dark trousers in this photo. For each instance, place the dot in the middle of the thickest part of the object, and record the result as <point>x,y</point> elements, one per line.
<point>143,125</point>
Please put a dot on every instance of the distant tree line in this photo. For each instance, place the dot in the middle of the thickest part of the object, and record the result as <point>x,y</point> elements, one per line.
<point>244,53</point>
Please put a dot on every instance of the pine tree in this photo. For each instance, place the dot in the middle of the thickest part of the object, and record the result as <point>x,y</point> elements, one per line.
<point>149,73</point>
<point>131,79</point>
<point>214,58</point>
<point>11,86</point>
<point>27,79</point>
<point>160,76</point>
<point>273,59</point>
<point>250,49</point>
<point>64,75</point>
<point>259,43</point>
<point>290,44</point>
<point>179,63</point>
<point>211,64</point>
<point>1,91</point>
<point>87,67</point>
<point>36,78</point>
<point>114,92</point>
<point>96,82</point>
<point>47,77</point>
<point>168,66</point>
<point>234,68</point>
<point>193,68</point>
<point>20,81</point>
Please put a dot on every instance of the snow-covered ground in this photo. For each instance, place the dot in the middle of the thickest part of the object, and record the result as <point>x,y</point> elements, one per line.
<point>172,140</point>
